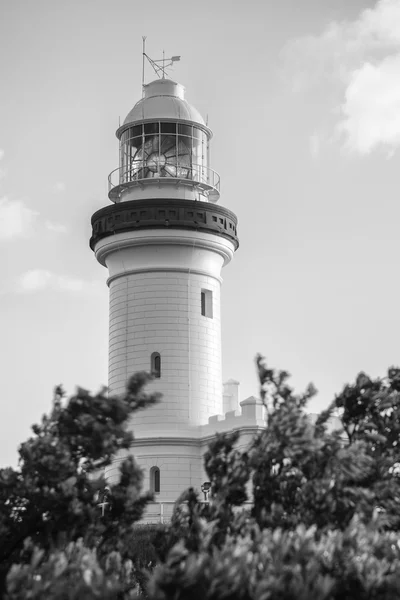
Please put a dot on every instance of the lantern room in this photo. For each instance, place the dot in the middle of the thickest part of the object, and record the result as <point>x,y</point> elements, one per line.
<point>164,149</point>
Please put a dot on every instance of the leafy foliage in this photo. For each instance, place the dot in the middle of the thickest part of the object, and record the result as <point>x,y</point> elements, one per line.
<point>71,572</point>
<point>290,564</point>
<point>52,500</point>
<point>324,522</point>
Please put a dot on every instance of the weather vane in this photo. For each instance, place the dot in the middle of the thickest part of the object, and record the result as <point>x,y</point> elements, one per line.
<point>159,66</point>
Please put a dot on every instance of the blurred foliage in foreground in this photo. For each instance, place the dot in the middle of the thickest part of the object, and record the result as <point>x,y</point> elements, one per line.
<point>324,524</point>
<point>52,529</point>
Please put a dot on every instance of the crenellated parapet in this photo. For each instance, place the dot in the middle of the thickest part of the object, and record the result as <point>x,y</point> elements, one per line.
<point>250,417</point>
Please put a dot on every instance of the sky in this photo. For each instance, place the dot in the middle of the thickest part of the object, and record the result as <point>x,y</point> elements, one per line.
<point>304,102</point>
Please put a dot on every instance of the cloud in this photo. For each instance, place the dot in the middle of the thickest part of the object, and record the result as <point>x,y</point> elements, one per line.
<point>371,108</point>
<point>3,172</point>
<point>16,219</point>
<point>315,144</point>
<point>56,227</point>
<point>36,280</point>
<point>59,187</point>
<point>69,284</point>
<point>358,64</point>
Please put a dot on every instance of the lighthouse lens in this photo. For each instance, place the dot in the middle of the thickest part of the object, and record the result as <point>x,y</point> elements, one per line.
<point>167,149</point>
<point>156,162</point>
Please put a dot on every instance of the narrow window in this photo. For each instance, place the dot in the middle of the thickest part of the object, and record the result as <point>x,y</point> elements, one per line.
<point>203,304</point>
<point>155,366</point>
<point>206,303</point>
<point>155,480</point>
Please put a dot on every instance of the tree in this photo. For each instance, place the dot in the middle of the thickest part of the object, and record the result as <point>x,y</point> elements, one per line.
<point>50,517</point>
<point>325,520</point>
<point>324,523</point>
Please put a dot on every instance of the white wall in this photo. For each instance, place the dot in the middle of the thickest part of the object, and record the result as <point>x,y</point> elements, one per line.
<point>155,279</point>
<point>161,312</point>
<point>180,467</point>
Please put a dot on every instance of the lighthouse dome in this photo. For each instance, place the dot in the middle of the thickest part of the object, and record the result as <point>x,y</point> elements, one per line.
<point>164,99</point>
<point>164,149</point>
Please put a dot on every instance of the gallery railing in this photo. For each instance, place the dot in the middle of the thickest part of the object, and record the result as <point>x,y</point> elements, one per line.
<point>199,175</point>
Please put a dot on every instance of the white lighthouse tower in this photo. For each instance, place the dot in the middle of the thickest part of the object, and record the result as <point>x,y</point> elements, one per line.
<point>164,241</point>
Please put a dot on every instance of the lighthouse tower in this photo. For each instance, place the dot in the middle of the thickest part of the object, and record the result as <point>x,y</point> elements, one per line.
<point>164,240</point>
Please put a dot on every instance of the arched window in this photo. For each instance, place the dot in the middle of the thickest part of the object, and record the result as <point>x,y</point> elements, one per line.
<point>155,480</point>
<point>156,364</point>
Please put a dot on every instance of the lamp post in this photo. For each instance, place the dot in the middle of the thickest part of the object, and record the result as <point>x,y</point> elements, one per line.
<point>104,502</point>
<point>205,488</point>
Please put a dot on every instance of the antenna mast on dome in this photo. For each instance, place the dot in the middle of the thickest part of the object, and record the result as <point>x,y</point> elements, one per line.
<point>159,66</point>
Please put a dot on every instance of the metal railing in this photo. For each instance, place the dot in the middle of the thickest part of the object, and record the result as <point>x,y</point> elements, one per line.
<point>161,512</point>
<point>198,174</point>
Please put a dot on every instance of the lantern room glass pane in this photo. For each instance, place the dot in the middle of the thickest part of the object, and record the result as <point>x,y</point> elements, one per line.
<point>135,131</point>
<point>185,130</point>
<point>151,128</point>
<point>168,128</point>
<point>168,145</point>
<point>163,150</point>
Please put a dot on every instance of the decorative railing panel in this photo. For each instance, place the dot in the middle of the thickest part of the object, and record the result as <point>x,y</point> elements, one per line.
<point>162,214</point>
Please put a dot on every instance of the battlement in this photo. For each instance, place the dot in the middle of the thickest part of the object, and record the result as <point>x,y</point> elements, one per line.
<point>251,415</point>
<point>248,414</point>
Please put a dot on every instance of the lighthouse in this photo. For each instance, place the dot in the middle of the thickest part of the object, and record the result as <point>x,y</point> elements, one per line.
<point>164,240</point>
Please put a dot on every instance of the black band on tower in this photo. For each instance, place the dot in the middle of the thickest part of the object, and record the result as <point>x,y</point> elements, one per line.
<point>162,213</point>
